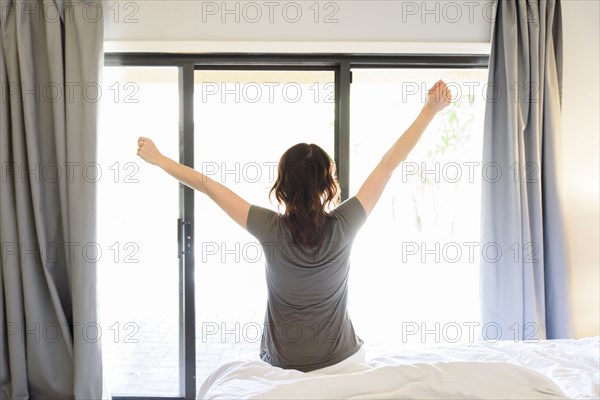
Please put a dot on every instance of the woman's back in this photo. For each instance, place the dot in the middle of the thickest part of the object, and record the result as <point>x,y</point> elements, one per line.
<point>307,326</point>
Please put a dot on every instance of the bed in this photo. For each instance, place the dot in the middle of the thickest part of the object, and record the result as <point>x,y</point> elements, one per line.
<point>550,369</point>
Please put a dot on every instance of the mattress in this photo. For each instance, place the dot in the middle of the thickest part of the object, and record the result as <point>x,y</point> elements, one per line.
<point>549,369</point>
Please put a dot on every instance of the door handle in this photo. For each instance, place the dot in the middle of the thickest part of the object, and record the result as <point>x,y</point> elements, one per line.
<point>184,237</point>
<point>180,234</point>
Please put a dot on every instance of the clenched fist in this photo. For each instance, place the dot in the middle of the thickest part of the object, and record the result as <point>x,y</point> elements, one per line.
<point>147,151</point>
<point>438,97</point>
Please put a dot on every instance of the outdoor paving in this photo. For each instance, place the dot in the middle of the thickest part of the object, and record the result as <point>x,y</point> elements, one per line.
<point>151,365</point>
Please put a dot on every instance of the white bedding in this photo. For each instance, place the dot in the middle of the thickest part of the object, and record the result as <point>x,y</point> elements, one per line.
<point>545,370</point>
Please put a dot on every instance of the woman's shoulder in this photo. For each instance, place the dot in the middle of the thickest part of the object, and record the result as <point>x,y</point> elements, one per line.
<point>349,207</point>
<point>262,220</point>
<point>350,214</point>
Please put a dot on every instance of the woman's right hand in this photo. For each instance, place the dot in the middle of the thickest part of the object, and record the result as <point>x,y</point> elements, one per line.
<point>438,97</point>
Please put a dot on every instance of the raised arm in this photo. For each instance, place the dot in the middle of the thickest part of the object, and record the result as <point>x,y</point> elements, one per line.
<point>438,97</point>
<point>236,207</point>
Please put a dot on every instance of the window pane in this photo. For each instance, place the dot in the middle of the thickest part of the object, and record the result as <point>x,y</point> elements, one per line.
<point>137,212</point>
<point>244,121</point>
<point>415,262</point>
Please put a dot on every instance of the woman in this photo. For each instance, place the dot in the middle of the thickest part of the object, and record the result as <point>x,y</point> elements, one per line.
<point>307,248</point>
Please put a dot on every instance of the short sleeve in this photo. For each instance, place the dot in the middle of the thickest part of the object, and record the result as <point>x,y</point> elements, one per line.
<point>352,216</point>
<point>260,222</point>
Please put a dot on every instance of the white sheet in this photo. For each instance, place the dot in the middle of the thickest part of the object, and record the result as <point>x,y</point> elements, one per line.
<point>545,370</point>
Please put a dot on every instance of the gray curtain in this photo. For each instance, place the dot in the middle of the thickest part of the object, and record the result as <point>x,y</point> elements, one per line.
<point>524,271</point>
<point>51,56</point>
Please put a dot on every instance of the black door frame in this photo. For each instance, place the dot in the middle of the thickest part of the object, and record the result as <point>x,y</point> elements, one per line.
<point>341,64</point>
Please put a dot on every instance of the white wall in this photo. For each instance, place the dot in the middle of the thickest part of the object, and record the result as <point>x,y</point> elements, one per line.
<point>580,155</point>
<point>388,23</point>
<point>299,21</point>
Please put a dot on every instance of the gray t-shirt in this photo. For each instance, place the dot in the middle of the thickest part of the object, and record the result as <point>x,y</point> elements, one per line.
<point>307,325</point>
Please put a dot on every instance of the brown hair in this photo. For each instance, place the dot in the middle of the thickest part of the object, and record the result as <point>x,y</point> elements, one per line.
<point>306,185</point>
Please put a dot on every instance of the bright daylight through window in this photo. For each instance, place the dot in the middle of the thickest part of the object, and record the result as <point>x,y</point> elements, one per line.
<point>414,268</point>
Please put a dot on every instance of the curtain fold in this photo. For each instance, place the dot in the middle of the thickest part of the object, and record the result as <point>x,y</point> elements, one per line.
<point>523,269</point>
<point>51,58</point>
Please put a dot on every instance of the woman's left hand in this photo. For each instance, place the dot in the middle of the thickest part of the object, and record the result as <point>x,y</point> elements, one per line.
<point>147,151</point>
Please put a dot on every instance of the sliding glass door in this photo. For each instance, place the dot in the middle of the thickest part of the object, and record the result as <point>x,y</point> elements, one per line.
<point>415,264</point>
<point>137,209</point>
<point>183,287</point>
<point>244,121</point>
